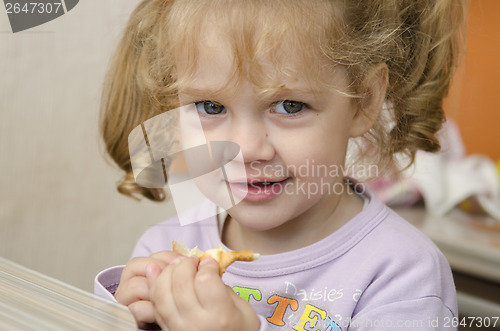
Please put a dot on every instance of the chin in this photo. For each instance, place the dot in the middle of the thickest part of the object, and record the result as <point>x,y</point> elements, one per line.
<point>256,221</point>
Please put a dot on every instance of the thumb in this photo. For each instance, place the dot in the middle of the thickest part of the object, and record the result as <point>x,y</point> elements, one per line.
<point>209,264</point>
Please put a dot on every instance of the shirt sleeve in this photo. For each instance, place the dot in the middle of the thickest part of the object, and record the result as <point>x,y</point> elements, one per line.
<point>428,313</point>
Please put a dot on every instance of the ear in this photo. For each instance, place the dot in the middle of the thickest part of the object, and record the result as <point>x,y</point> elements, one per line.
<point>372,89</point>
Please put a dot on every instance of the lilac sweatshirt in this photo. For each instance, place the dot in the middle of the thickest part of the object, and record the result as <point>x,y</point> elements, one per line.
<point>377,272</point>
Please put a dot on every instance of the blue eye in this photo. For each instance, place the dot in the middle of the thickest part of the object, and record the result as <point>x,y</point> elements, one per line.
<point>288,107</point>
<point>210,108</point>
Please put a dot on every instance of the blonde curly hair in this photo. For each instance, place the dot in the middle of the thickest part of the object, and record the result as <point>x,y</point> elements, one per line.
<point>418,40</point>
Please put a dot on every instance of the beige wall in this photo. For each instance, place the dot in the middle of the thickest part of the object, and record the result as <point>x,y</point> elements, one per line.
<point>59,211</point>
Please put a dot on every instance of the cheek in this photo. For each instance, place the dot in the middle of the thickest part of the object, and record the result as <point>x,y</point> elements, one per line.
<point>311,147</point>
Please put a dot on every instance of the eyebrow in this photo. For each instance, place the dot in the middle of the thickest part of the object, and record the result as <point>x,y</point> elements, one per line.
<point>280,91</point>
<point>264,92</point>
<point>200,91</point>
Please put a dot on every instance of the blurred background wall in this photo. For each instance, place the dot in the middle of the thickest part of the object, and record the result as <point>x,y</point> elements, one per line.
<point>59,211</point>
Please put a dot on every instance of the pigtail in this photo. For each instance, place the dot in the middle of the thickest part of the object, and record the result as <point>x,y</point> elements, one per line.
<point>427,48</point>
<point>420,41</point>
<point>130,93</point>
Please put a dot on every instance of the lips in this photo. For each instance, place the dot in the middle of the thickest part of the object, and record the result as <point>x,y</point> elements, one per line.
<point>264,182</point>
<point>258,190</point>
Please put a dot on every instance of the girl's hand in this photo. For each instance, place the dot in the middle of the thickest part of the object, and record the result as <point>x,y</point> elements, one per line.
<point>133,290</point>
<point>188,295</point>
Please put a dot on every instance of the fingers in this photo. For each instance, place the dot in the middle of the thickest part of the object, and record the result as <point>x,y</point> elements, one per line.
<point>183,288</point>
<point>134,289</point>
<point>143,311</point>
<point>186,283</point>
<point>137,266</point>
<point>189,295</point>
<point>152,273</point>
<point>133,283</point>
<point>166,257</point>
<point>174,293</point>
<point>173,290</point>
<point>208,285</point>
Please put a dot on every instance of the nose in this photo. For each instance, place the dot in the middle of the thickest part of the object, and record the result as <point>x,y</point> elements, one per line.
<point>252,136</point>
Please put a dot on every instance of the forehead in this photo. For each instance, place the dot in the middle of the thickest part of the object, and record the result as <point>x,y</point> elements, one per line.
<point>213,63</point>
<point>267,42</point>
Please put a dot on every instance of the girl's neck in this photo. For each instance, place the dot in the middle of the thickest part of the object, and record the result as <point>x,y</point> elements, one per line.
<point>294,234</point>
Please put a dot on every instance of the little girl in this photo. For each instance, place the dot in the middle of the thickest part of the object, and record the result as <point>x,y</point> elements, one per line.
<point>306,89</point>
